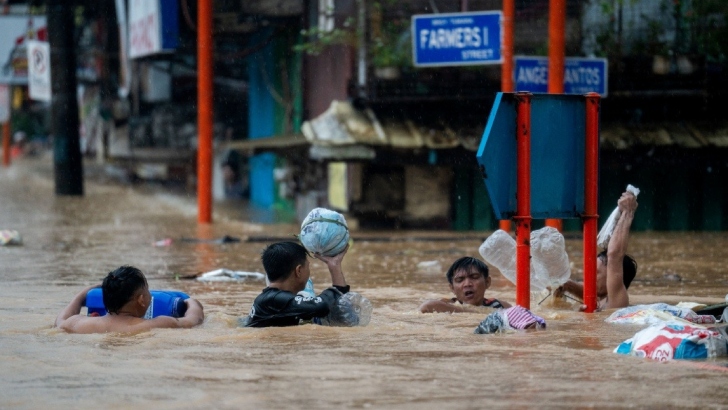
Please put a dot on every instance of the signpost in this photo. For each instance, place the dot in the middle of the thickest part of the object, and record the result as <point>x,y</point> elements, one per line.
<point>581,75</point>
<point>525,179</point>
<point>453,39</point>
<point>39,70</point>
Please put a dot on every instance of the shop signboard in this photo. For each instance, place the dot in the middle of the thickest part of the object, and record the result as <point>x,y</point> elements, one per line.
<point>153,27</point>
<point>15,32</point>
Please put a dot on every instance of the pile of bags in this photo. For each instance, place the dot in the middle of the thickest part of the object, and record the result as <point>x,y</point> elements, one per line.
<point>674,332</point>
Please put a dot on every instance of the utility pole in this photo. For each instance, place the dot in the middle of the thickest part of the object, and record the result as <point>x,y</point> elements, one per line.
<point>67,164</point>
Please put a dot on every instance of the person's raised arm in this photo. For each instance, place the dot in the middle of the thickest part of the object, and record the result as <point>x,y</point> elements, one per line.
<point>73,308</point>
<point>334,265</point>
<point>617,295</point>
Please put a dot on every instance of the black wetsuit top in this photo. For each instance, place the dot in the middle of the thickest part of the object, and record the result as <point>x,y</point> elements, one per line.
<point>494,303</point>
<point>275,307</point>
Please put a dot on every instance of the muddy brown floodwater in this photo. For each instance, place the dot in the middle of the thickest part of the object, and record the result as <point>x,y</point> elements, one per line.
<point>403,359</point>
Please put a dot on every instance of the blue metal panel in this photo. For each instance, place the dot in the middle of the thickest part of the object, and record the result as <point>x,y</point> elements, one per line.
<point>169,11</point>
<point>558,124</point>
<point>497,156</point>
<point>261,121</point>
<point>558,127</point>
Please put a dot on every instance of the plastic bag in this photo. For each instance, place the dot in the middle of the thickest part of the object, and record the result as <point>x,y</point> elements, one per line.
<point>324,231</point>
<point>515,317</point>
<point>657,314</point>
<point>549,259</point>
<point>549,262</point>
<point>606,233</point>
<point>9,237</point>
<point>499,250</point>
<point>351,309</point>
<point>676,341</point>
<point>227,275</point>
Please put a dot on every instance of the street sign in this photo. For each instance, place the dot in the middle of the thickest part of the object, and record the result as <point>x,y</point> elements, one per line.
<point>558,127</point>
<point>581,75</point>
<point>39,70</point>
<point>454,39</point>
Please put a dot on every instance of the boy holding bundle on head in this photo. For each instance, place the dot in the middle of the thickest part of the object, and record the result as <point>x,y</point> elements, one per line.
<point>287,267</point>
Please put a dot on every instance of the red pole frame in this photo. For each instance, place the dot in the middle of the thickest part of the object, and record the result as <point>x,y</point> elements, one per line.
<point>557,50</point>
<point>509,10</point>
<point>591,186</point>
<point>6,143</point>
<point>204,111</point>
<point>523,200</point>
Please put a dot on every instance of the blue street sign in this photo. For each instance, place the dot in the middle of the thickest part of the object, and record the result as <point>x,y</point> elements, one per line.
<point>456,39</point>
<point>558,127</point>
<point>581,75</point>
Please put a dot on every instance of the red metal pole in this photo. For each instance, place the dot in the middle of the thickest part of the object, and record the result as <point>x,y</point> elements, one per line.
<point>204,111</point>
<point>557,43</point>
<point>6,143</point>
<point>509,10</point>
<point>523,200</point>
<point>591,184</point>
<point>6,125</point>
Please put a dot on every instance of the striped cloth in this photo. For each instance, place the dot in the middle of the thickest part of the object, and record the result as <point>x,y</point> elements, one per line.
<point>521,318</point>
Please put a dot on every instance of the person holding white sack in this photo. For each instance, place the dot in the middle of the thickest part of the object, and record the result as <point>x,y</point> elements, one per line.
<point>615,269</point>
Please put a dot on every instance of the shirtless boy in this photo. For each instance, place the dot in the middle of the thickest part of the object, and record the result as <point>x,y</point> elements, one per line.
<point>126,298</point>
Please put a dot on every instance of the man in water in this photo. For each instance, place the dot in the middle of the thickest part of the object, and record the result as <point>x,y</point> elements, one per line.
<point>615,269</point>
<point>288,270</point>
<point>126,298</point>
<point>469,279</point>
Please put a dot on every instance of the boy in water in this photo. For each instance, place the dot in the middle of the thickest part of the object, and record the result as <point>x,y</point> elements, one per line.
<point>469,280</point>
<point>615,269</point>
<point>126,298</point>
<point>288,270</point>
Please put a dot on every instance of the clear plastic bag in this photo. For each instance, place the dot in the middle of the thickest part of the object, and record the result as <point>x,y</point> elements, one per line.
<point>548,258</point>
<point>324,231</point>
<point>499,250</point>
<point>352,309</point>
<point>605,234</point>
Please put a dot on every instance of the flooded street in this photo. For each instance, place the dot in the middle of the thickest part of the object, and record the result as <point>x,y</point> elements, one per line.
<point>403,359</point>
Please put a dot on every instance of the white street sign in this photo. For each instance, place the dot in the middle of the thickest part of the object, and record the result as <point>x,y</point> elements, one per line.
<point>39,70</point>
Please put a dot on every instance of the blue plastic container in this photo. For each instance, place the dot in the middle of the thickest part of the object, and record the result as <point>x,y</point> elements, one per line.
<point>164,303</point>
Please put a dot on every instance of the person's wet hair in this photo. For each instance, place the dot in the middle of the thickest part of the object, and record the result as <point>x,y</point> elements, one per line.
<point>280,259</point>
<point>120,286</point>
<point>629,268</point>
<point>466,263</point>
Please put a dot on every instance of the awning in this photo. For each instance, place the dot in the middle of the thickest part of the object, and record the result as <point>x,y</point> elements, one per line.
<point>342,124</point>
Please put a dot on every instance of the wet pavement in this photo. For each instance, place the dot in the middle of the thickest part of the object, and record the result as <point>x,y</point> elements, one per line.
<point>403,359</point>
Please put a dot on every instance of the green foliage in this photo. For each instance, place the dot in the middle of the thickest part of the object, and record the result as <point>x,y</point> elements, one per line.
<point>392,47</point>
<point>708,28</point>
<point>318,40</point>
<point>389,47</point>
